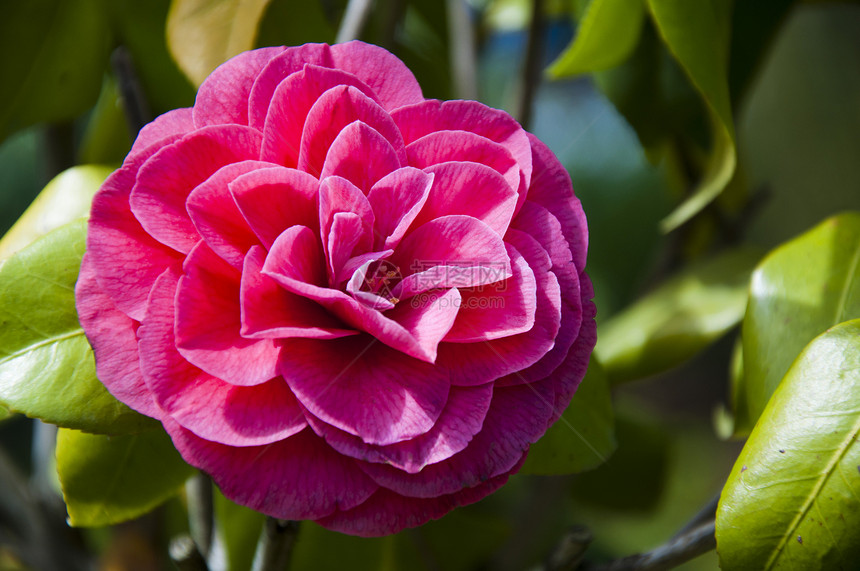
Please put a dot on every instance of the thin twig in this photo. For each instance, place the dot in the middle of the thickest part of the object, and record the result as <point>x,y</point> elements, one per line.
<point>201,511</point>
<point>184,553</point>
<point>704,515</point>
<point>570,551</point>
<point>531,68</point>
<point>357,12</point>
<point>135,105</point>
<point>463,58</point>
<point>676,551</point>
<point>276,545</point>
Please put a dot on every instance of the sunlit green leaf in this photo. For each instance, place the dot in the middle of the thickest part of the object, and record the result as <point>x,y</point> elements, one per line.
<point>46,364</point>
<point>584,436</point>
<point>792,500</point>
<point>677,320</point>
<point>799,290</point>
<point>66,198</point>
<point>698,34</point>
<point>55,52</point>
<point>202,34</point>
<point>606,36</point>
<point>239,528</point>
<point>4,413</point>
<point>109,479</point>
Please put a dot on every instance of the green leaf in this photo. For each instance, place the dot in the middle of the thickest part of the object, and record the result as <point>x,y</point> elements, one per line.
<point>793,498</point>
<point>697,34</point>
<point>109,479</point>
<point>107,139</point>
<point>606,37</point>
<point>141,28</point>
<point>798,291</point>
<point>323,550</point>
<point>680,318</point>
<point>46,364</point>
<point>239,528</point>
<point>584,437</point>
<point>55,52</point>
<point>643,456</point>
<point>294,22</point>
<point>67,197</point>
<point>4,413</point>
<point>202,34</point>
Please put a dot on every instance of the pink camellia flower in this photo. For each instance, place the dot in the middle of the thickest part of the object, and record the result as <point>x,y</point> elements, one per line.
<point>346,303</point>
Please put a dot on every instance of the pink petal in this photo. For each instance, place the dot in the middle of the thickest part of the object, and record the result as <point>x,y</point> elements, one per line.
<point>296,255</point>
<point>216,216</point>
<point>552,189</point>
<point>570,318</point>
<point>291,102</point>
<point>470,189</point>
<point>386,512</point>
<point>451,251</point>
<point>570,373</point>
<point>462,418</point>
<point>416,121</point>
<point>517,417</point>
<point>274,199</point>
<point>469,364</point>
<point>348,156</point>
<point>113,337</point>
<point>364,388</point>
<point>334,110</point>
<point>346,222</point>
<point>125,258</point>
<point>396,201</point>
<point>498,310</point>
<point>169,125</point>
<point>294,264</point>
<point>297,478</point>
<point>209,407</point>
<point>463,146</point>
<point>269,311</point>
<point>165,181</point>
<point>208,323</point>
<point>288,62</point>
<point>389,78</point>
<point>223,96</point>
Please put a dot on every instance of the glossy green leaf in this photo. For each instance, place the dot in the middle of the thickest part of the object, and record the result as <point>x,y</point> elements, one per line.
<point>66,198</point>
<point>584,437</point>
<point>55,53</point>
<point>109,479</point>
<point>202,34</point>
<point>4,413</point>
<point>698,34</point>
<point>46,364</point>
<point>606,36</point>
<point>792,500</point>
<point>799,290</point>
<point>677,320</point>
<point>107,139</point>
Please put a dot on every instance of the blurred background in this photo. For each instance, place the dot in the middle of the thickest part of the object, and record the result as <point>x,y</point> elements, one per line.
<point>797,119</point>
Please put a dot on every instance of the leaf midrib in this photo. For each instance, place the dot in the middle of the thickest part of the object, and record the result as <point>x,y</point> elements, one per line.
<point>849,282</point>
<point>810,500</point>
<point>40,344</point>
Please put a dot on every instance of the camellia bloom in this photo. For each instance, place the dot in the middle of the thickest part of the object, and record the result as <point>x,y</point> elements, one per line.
<point>344,302</point>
